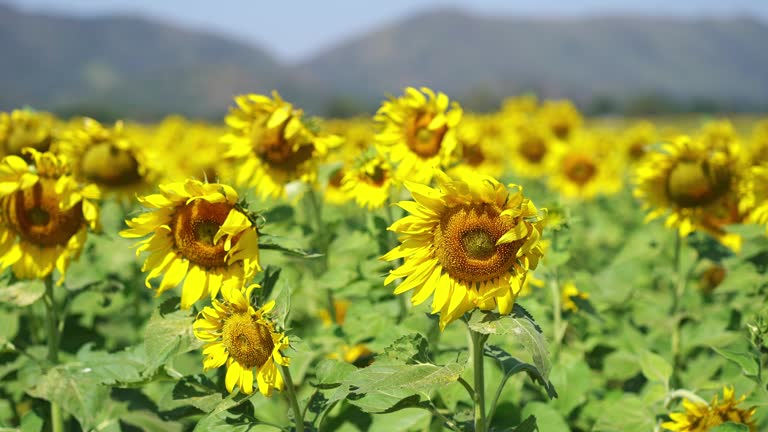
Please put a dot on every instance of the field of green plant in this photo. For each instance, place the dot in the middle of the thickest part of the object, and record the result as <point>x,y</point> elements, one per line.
<point>425,269</point>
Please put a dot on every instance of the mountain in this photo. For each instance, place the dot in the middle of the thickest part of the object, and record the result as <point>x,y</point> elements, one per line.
<point>579,58</point>
<point>130,64</point>
<point>135,67</point>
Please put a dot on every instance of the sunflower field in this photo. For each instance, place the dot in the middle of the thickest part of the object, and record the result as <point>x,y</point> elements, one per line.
<point>425,269</point>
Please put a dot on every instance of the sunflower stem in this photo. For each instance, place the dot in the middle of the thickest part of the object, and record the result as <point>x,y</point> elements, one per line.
<point>676,304</point>
<point>478,342</point>
<point>290,393</point>
<point>52,327</point>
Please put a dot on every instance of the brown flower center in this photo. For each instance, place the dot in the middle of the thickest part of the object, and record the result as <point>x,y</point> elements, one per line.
<point>194,227</point>
<point>473,155</point>
<point>465,242</point>
<point>105,164</point>
<point>696,183</point>
<point>248,341</point>
<point>561,129</point>
<point>579,168</point>
<point>279,153</point>
<point>377,177</point>
<point>533,149</point>
<point>35,215</point>
<point>422,141</point>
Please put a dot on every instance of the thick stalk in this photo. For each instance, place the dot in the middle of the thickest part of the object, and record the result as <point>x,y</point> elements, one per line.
<point>478,342</point>
<point>290,394</point>
<point>52,327</point>
<point>676,304</point>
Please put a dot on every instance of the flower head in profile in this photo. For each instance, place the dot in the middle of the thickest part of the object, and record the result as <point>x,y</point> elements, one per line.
<point>418,132</point>
<point>695,184</point>
<point>701,417</point>
<point>272,145</point>
<point>198,235</point>
<point>754,195</point>
<point>244,339</point>
<point>468,243</point>
<point>107,157</point>
<point>45,215</point>
<point>20,129</point>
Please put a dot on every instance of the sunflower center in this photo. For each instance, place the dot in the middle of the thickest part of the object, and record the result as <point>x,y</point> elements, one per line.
<point>35,215</point>
<point>696,183</point>
<point>473,155</point>
<point>478,244</point>
<point>377,177</point>
<point>249,342</point>
<point>534,149</point>
<point>637,150</point>
<point>194,227</point>
<point>465,243</point>
<point>561,129</point>
<point>580,169</point>
<point>422,141</point>
<point>28,136</point>
<point>280,153</point>
<point>105,164</point>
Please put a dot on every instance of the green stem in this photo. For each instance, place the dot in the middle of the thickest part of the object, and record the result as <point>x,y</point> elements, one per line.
<point>290,393</point>
<point>679,292</point>
<point>478,342</point>
<point>52,327</point>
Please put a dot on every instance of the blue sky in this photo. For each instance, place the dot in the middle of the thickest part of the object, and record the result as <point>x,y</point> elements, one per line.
<point>294,30</point>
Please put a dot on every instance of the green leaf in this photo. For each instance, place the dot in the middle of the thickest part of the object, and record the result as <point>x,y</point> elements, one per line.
<point>655,367</point>
<point>22,293</point>
<point>528,425</point>
<point>282,304</point>
<point>745,360</point>
<point>409,349</point>
<point>522,327</point>
<point>511,366</point>
<point>387,387</point>
<point>78,393</point>
<point>547,418</point>
<point>628,414</point>
<point>197,391</point>
<point>168,335</point>
<point>331,373</point>
<point>267,242</point>
<point>620,365</point>
<point>574,380</point>
<point>730,427</point>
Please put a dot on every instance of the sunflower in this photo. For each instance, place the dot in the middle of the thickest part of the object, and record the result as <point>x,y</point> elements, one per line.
<point>198,232</point>
<point>357,135</point>
<point>754,195</point>
<point>334,193</point>
<point>636,140</point>
<point>243,338</point>
<point>340,308</point>
<point>370,183</point>
<point>272,145</point>
<point>418,132</point>
<point>758,143</point>
<point>26,128</point>
<point>45,215</point>
<point>694,182</point>
<point>197,138</point>
<point>561,117</point>
<point>107,157</point>
<point>585,169</point>
<point>481,147</point>
<point>568,292</point>
<point>701,417</point>
<point>470,243</point>
<point>532,148</point>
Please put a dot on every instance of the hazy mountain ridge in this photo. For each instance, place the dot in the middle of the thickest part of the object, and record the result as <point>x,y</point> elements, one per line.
<point>140,67</point>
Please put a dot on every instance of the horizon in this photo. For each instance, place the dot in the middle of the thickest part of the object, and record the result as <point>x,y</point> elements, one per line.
<point>299,46</point>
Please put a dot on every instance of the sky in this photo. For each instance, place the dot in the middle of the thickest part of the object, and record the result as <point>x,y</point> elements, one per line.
<point>295,30</point>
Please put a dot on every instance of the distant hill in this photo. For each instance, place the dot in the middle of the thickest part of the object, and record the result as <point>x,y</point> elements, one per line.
<point>580,58</point>
<point>126,62</point>
<point>141,68</point>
